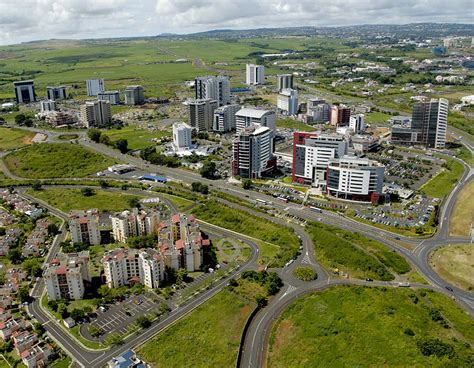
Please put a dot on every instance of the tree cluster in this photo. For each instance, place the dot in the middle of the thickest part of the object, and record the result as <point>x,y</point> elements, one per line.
<point>97,136</point>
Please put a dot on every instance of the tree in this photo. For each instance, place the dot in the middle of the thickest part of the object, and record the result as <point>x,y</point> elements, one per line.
<point>3,231</point>
<point>104,139</point>
<point>87,192</point>
<point>62,310</point>
<point>24,294</point>
<point>15,256</point>
<point>94,135</point>
<point>199,187</point>
<point>87,309</point>
<point>208,170</point>
<point>36,186</point>
<point>122,145</point>
<point>77,314</point>
<point>53,305</point>
<point>134,202</point>
<point>95,331</point>
<point>103,184</point>
<point>164,308</point>
<point>181,276</point>
<point>143,322</point>
<point>261,301</point>
<point>53,229</point>
<point>246,183</point>
<point>20,118</point>
<point>32,266</point>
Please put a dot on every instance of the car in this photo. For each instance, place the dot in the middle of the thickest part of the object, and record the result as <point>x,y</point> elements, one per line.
<point>397,238</point>
<point>369,280</point>
<point>449,288</point>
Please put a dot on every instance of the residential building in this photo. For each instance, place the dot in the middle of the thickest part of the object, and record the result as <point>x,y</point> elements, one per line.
<point>48,106</point>
<point>134,95</point>
<point>36,356</point>
<point>311,155</point>
<point>255,74</point>
<point>66,276</point>
<point>246,117</point>
<point>127,360</point>
<point>354,178</point>
<point>112,96</point>
<point>59,118</point>
<point>8,328</point>
<point>84,226</point>
<point>24,341</point>
<point>94,86</point>
<point>253,152</point>
<point>131,266</point>
<point>224,118</point>
<point>182,136</point>
<point>340,115</point>
<point>201,114</point>
<point>213,88</point>
<point>25,91</point>
<point>56,93</point>
<point>96,114</point>
<point>357,123</point>
<point>134,223</point>
<point>284,81</point>
<point>287,101</point>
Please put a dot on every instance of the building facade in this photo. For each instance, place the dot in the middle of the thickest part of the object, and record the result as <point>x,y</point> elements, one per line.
<point>48,106</point>
<point>133,223</point>
<point>287,101</point>
<point>182,136</point>
<point>25,91</point>
<point>96,114</point>
<point>318,111</point>
<point>95,86</point>
<point>112,96</point>
<point>134,95</point>
<point>56,93</point>
<point>247,117</point>
<point>357,123</point>
<point>201,114</point>
<point>340,116</point>
<point>254,74</point>
<point>284,81</point>
<point>224,118</point>
<point>84,226</point>
<point>213,88</point>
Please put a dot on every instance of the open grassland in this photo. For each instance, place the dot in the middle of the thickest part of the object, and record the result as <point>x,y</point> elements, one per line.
<point>463,214</point>
<point>14,138</point>
<point>455,263</point>
<point>208,337</point>
<point>296,125</point>
<point>443,183</point>
<point>179,202</point>
<point>376,117</point>
<point>355,326</point>
<point>253,226</point>
<point>48,160</point>
<point>72,199</point>
<point>353,253</point>
<point>137,138</point>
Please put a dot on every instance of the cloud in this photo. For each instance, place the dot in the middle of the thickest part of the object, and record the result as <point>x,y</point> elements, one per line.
<point>25,20</point>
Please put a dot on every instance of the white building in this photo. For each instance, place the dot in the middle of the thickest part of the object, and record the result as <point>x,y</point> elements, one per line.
<point>201,114</point>
<point>353,178</point>
<point>112,96</point>
<point>288,101</point>
<point>65,276</point>
<point>318,111</point>
<point>48,106</point>
<point>94,86</point>
<point>133,223</point>
<point>134,95</point>
<point>25,91</point>
<point>357,123</point>
<point>96,114</point>
<point>56,93</point>
<point>213,88</point>
<point>224,118</point>
<point>84,226</point>
<point>284,81</point>
<point>182,136</point>
<point>247,117</point>
<point>467,100</point>
<point>255,74</point>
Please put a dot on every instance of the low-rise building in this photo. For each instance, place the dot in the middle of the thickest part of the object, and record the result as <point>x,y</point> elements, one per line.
<point>8,328</point>
<point>60,118</point>
<point>24,341</point>
<point>37,356</point>
<point>127,360</point>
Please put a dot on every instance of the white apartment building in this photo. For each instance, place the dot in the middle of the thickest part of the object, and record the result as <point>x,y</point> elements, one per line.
<point>48,106</point>
<point>96,114</point>
<point>201,114</point>
<point>65,276</point>
<point>84,226</point>
<point>213,88</point>
<point>354,178</point>
<point>134,95</point>
<point>287,101</point>
<point>182,136</point>
<point>357,123</point>
<point>133,223</point>
<point>284,81</point>
<point>247,117</point>
<point>318,111</point>
<point>255,74</point>
<point>112,96</point>
<point>224,118</point>
<point>130,266</point>
<point>94,86</point>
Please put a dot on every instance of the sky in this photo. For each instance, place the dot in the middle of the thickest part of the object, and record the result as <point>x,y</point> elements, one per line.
<point>28,20</point>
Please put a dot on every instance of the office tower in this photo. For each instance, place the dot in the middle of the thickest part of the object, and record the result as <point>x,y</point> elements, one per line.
<point>287,101</point>
<point>430,121</point>
<point>213,88</point>
<point>284,81</point>
<point>48,106</point>
<point>247,117</point>
<point>112,96</point>
<point>255,74</point>
<point>94,86</point>
<point>96,114</point>
<point>134,95</point>
<point>56,93</point>
<point>318,111</point>
<point>182,136</point>
<point>84,226</point>
<point>25,91</point>
<point>224,118</point>
<point>357,123</point>
<point>340,116</point>
<point>201,114</point>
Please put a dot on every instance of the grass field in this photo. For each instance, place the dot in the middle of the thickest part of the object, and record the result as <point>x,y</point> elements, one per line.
<point>72,199</point>
<point>376,117</point>
<point>14,138</point>
<point>179,202</point>
<point>456,264</point>
<point>293,124</point>
<point>463,215</point>
<point>48,160</point>
<point>207,337</point>
<point>137,138</point>
<point>369,327</point>
<point>443,183</point>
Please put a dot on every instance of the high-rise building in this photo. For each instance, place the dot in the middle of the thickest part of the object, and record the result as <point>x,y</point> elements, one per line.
<point>182,136</point>
<point>224,118</point>
<point>94,86</point>
<point>134,223</point>
<point>318,111</point>
<point>287,101</point>
<point>48,106</point>
<point>201,114</point>
<point>25,91</point>
<point>213,88</point>
<point>311,154</point>
<point>253,152</point>
<point>65,276</point>
<point>134,95</point>
<point>112,96</point>
<point>284,81</point>
<point>340,116</point>
<point>357,123</point>
<point>84,226</point>
<point>96,114</point>
<point>255,74</point>
<point>247,117</point>
<point>354,178</point>
<point>56,93</point>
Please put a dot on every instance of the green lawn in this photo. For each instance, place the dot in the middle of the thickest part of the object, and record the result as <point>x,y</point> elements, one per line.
<point>207,337</point>
<point>49,160</point>
<point>462,216</point>
<point>376,117</point>
<point>293,124</point>
<point>137,138</point>
<point>443,183</point>
<point>14,138</point>
<point>72,199</point>
<point>179,202</point>
<point>355,326</point>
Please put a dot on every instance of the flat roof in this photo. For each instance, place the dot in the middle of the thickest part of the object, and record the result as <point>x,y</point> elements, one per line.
<point>253,113</point>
